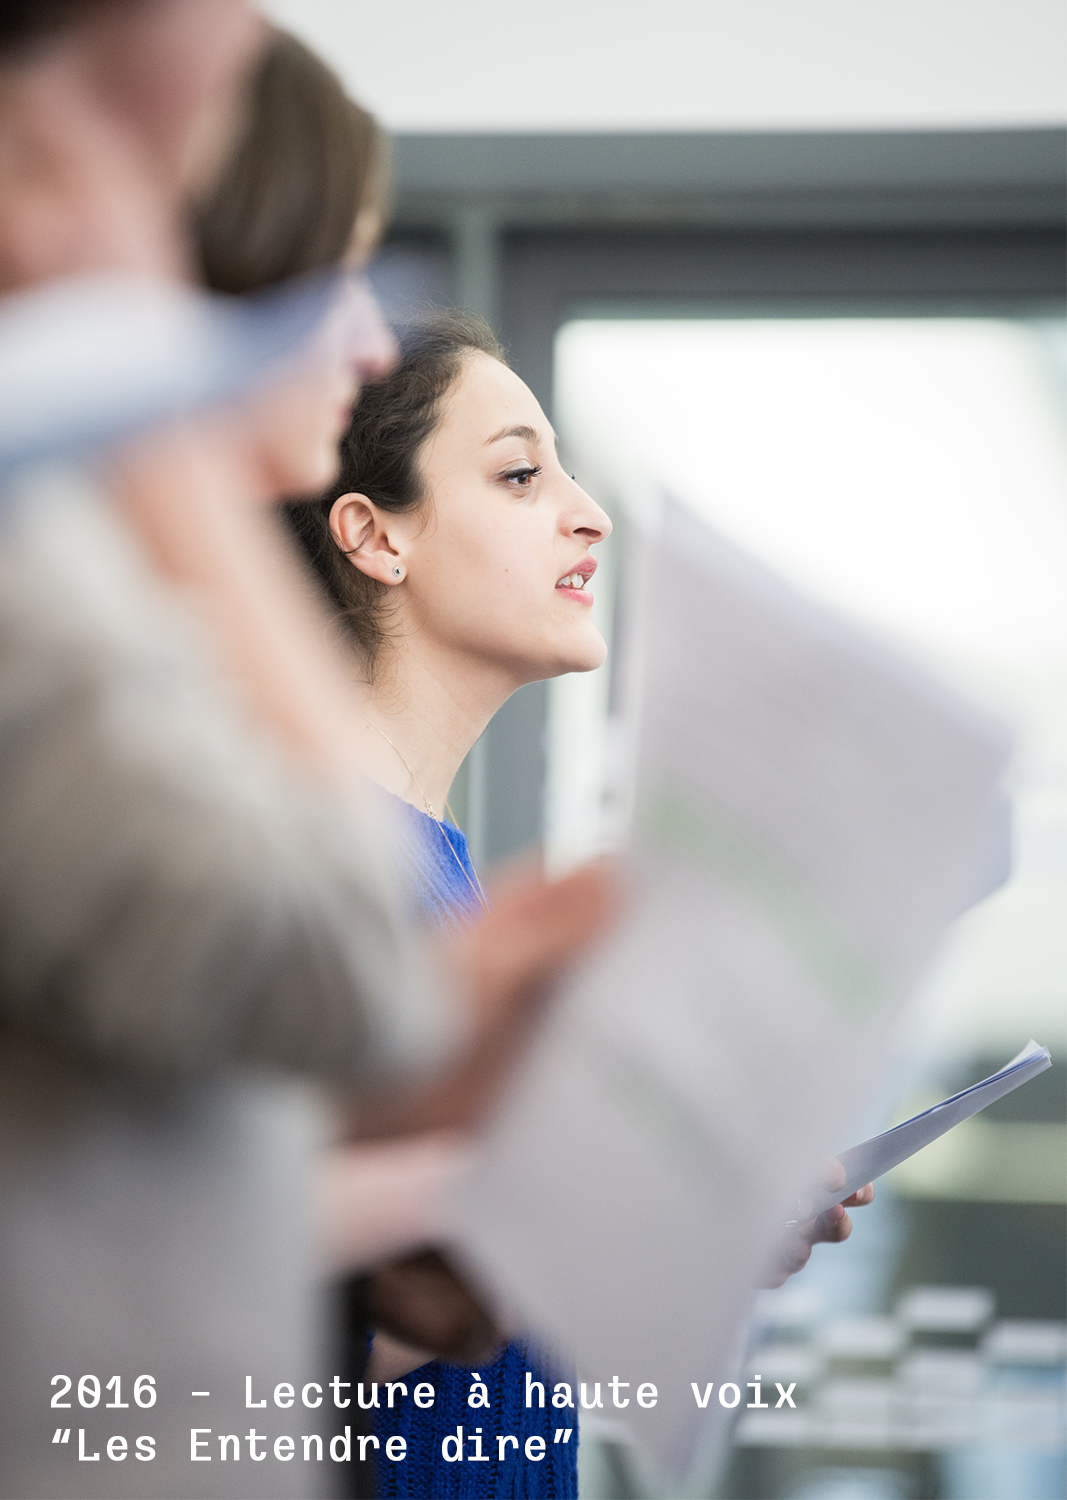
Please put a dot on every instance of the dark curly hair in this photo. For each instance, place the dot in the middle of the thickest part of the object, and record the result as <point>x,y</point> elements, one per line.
<point>380,459</point>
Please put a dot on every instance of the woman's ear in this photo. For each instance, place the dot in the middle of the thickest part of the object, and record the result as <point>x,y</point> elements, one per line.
<point>358,528</point>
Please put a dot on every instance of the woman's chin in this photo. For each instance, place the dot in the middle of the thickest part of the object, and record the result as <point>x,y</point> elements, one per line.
<point>585,656</point>
<point>304,473</point>
<point>556,659</point>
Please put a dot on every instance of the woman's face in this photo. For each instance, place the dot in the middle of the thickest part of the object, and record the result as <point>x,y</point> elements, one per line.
<point>497,563</point>
<point>299,419</point>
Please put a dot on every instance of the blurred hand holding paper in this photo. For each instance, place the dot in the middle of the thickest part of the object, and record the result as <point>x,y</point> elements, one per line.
<point>872,1158</point>
<point>808,813</point>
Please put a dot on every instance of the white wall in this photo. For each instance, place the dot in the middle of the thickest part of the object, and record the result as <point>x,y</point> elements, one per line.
<point>694,64</point>
<point>910,473</point>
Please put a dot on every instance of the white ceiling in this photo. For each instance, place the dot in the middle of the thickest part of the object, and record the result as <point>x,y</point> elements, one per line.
<point>435,65</point>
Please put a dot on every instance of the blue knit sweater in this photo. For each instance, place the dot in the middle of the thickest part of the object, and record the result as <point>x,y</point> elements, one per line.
<point>441,879</point>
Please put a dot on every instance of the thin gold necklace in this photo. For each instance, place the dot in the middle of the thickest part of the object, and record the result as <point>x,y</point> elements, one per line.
<point>475,884</point>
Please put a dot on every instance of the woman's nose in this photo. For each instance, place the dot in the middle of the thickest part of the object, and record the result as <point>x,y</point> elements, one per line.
<point>372,348</point>
<point>589,521</point>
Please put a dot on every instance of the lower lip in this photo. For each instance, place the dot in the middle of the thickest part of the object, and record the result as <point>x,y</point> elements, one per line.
<point>581,596</point>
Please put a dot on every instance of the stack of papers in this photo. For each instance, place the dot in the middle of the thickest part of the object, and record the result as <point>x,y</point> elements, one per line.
<point>807,813</point>
<point>866,1162</point>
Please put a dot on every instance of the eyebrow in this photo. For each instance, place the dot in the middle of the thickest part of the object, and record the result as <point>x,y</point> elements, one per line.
<point>527,434</point>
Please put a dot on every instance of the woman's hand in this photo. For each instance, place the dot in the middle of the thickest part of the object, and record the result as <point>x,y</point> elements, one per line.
<point>506,963</point>
<point>424,1306</point>
<point>832,1227</point>
<point>383,1198</point>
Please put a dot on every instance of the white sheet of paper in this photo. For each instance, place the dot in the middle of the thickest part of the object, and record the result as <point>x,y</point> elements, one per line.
<point>809,813</point>
<point>869,1160</point>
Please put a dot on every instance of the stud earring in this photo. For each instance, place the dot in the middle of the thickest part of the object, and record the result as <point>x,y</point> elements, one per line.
<point>398,573</point>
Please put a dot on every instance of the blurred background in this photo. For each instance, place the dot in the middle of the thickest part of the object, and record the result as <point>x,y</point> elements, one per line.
<point>802,266</point>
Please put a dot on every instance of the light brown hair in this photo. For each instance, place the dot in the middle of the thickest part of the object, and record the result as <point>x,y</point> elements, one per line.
<point>309,162</point>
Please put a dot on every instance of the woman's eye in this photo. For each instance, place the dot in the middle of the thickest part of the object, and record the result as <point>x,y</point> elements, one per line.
<point>521,477</point>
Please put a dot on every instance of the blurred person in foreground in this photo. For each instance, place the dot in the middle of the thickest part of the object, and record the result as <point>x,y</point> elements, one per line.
<point>194,911</point>
<point>304,189</point>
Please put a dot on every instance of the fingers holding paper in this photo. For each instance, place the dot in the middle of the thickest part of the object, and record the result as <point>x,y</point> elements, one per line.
<point>860,1198</point>
<point>832,1227</point>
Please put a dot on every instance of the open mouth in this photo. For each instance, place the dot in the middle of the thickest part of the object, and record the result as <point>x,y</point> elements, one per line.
<point>576,581</point>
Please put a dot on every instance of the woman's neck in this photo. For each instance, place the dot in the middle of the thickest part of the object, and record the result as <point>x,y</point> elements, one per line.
<point>422,712</point>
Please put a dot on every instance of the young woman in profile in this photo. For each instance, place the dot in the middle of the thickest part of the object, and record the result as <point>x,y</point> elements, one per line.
<point>457,553</point>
